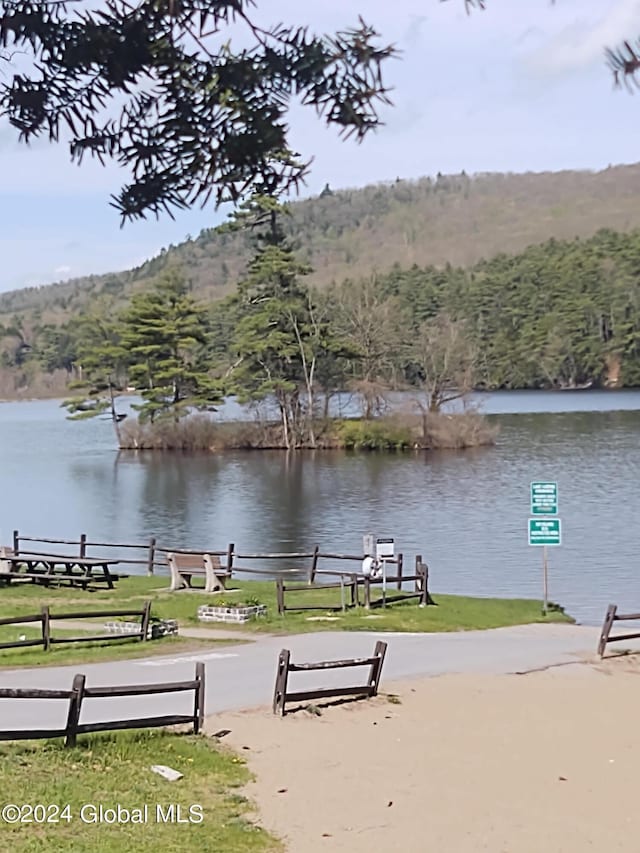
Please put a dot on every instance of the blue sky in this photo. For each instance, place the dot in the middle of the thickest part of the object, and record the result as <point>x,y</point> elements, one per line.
<point>519,87</point>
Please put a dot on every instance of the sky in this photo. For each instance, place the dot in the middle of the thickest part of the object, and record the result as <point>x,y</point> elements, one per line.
<point>522,86</point>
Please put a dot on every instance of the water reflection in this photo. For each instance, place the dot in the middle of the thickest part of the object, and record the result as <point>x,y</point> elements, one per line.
<point>465,512</point>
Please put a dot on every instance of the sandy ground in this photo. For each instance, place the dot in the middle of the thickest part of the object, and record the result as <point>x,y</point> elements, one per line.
<point>537,763</point>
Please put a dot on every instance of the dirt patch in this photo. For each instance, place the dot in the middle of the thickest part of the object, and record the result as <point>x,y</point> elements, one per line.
<point>515,763</point>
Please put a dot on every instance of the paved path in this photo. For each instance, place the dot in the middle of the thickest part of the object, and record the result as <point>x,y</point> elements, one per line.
<point>242,676</point>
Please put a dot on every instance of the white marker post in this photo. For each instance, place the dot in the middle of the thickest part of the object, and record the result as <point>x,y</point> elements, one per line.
<point>384,550</point>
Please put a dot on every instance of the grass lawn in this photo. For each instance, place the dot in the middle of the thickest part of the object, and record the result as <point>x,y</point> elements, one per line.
<point>452,613</point>
<point>114,769</point>
<point>88,652</point>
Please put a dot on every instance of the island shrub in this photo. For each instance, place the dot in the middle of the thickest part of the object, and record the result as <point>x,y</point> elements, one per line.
<point>377,434</point>
<point>441,431</point>
<point>195,432</point>
<point>401,431</point>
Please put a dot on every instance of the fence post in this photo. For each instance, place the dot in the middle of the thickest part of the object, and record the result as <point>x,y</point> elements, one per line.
<point>367,593</point>
<point>354,591</point>
<point>376,667</point>
<point>198,708</point>
<point>46,628</point>
<point>314,564</point>
<point>16,542</point>
<point>230,551</point>
<point>152,555</point>
<point>282,674</point>
<point>400,564</point>
<point>280,595</point>
<point>606,628</point>
<point>422,574</point>
<point>75,706</point>
<point>427,595</point>
<point>83,545</point>
<point>144,621</point>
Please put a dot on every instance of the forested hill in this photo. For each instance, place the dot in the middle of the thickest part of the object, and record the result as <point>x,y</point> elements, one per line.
<point>560,314</point>
<point>449,219</point>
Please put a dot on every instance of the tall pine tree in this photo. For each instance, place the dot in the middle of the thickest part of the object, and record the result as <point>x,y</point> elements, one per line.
<point>165,334</point>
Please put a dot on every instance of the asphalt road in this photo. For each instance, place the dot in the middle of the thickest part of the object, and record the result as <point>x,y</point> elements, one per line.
<point>242,676</point>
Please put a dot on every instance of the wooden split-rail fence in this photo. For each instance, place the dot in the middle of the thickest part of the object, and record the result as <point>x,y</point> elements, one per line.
<point>46,617</point>
<point>150,556</point>
<point>80,693</point>
<point>350,585</point>
<point>611,617</point>
<point>347,584</point>
<point>282,696</point>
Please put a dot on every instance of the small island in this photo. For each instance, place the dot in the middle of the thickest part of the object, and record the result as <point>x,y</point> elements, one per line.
<point>275,340</point>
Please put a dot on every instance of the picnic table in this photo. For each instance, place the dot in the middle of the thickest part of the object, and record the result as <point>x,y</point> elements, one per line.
<point>48,569</point>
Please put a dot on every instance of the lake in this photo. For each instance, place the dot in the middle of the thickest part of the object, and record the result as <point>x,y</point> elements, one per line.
<point>465,512</point>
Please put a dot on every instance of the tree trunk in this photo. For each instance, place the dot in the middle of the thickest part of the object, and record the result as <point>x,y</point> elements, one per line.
<point>310,429</point>
<point>368,406</point>
<point>325,409</point>
<point>285,423</point>
<point>114,415</point>
<point>308,370</point>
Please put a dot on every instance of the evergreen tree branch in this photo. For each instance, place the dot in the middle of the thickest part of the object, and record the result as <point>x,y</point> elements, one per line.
<point>150,85</point>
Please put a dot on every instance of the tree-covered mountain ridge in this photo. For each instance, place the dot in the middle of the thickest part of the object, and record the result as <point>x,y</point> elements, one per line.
<point>449,219</point>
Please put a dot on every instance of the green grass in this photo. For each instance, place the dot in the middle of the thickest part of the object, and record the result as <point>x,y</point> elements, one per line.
<point>89,652</point>
<point>453,613</point>
<point>114,769</point>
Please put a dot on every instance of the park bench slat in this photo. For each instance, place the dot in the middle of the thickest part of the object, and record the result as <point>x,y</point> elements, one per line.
<point>184,566</point>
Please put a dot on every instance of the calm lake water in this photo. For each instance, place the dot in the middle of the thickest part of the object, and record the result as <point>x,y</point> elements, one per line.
<point>465,512</point>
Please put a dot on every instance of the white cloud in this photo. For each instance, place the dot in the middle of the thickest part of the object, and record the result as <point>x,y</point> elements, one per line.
<point>62,271</point>
<point>581,44</point>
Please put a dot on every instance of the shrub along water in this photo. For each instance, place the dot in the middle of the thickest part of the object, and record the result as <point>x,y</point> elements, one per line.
<point>432,431</point>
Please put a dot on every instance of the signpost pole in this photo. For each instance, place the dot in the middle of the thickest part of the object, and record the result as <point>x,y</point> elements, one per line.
<point>384,582</point>
<point>545,578</point>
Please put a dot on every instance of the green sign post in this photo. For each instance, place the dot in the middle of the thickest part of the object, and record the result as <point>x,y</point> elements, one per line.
<point>544,532</point>
<point>544,498</point>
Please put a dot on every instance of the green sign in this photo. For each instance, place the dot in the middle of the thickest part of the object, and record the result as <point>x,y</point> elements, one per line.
<point>544,531</point>
<point>544,498</point>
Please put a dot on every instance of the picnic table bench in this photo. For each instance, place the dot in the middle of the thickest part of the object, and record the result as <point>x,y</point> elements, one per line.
<point>185,566</point>
<point>54,569</point>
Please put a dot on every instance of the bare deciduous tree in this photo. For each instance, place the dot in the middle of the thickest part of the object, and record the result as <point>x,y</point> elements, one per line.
<point>445,359</point>
<point>368,321</point>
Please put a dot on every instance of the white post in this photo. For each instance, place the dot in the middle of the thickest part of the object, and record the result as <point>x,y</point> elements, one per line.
<point>384,582</point>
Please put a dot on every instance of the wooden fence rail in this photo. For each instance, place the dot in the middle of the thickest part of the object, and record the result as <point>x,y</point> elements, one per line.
<point>154,556</point>
<point>45,618</point>
<point>420,590</point>
<point>281,695</point>
<point>346,584</point>
<point>80,692</point>
<point>610,618</point>
<point>349,585</point>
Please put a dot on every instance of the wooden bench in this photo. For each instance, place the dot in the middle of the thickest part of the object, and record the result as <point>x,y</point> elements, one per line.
<point>185,566</point>
<point>5,565</point>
